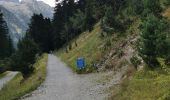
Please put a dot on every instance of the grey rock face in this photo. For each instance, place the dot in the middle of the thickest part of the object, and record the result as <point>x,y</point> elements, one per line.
<point>16,1</point>
<point>17,15</point>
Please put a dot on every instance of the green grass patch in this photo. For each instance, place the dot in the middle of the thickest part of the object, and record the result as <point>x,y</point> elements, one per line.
<point>146,85</point>
<point>18,87</point>
<point>88,47</point>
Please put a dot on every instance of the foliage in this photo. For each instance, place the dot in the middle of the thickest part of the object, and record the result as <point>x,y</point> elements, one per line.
<point>76,21</point>
<point>152,6</point>
<point>24,86</point>
<point>146,83</point>
<point>153,42</point>
<point>166,2</point>
<point>135,61</point>
<point>40,30</point>
<point>63,12</point>
<point>136,6</point>
<point>25,57</point>
<point>6,47</point>
<point>88,47</point>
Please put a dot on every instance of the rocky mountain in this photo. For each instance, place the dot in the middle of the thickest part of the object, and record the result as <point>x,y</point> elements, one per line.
<point>16,1</point>
<point>17,15</point>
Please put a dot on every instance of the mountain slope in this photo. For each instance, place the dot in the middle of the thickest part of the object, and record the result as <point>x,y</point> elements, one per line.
<point>18,14</point>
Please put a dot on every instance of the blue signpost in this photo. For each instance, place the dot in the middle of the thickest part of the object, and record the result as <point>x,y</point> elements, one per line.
<point>81,63</point>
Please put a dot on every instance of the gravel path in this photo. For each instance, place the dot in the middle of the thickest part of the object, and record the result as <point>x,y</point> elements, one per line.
<point>62,84</point>
<point>7,78</point>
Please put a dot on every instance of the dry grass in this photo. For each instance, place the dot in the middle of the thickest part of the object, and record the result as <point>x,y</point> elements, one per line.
<point>167,13</point>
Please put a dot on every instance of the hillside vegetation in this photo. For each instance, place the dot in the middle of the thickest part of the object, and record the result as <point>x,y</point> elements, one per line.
<point>112,35</point>
<point>101,53</point>
<point>87,46</point>
<point>148,84</point>
<point>19,86</point>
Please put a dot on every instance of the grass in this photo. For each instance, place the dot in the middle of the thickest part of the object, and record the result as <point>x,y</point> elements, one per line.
<point>167,13</point>
<point>147,84</point>
<point>88,48</point>
<point>18,87</point>
<point>93,47</point>
<point>3,74</point>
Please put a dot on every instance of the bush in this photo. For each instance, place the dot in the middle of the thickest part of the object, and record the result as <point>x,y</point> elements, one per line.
<point>167,2</point>
<point>135,61</point>
<point>108,44</point>
<point>120,53</point>
<point>4,65</point>
<point>25,57</point>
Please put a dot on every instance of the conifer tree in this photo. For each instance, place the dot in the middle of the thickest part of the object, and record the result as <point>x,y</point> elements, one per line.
<point>40,30</point>
<point>153,41</point>
<point>6,47</point>
<point>148,44</point>
<point>89,18</point>
<point>152,6</point>
<point>25,57</point>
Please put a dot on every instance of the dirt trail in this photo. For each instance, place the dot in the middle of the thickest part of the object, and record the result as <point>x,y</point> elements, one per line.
<point>62,84</point>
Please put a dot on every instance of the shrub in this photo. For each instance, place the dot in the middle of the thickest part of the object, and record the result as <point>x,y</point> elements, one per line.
<point>25,57</point>
<point>120,53</point>
<point>135,61</point>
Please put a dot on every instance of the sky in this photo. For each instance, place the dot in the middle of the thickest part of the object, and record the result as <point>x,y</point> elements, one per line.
<point>50,2</point>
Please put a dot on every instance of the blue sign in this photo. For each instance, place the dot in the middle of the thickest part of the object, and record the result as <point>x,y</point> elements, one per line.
<point>80,63</point>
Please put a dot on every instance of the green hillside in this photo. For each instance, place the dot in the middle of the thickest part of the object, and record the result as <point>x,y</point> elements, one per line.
<point>146,84</point>
<point>87,46</point>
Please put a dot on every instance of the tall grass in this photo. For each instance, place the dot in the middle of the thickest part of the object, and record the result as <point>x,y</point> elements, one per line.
<point>146,84</point>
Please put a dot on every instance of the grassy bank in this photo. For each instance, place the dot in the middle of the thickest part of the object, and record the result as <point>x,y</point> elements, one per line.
<point>3,74</point>
<point>146,85</point>
<point>17,87</point>
<point>87,46</point>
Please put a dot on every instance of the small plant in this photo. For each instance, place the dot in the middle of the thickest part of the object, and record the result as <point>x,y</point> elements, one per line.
<point>120,53</point>
<point>107,44</point>
<point>167,2</point>
<point>163,65</point>
<point>135,61</point>
<point>70,47</point>
<point>165,97</point>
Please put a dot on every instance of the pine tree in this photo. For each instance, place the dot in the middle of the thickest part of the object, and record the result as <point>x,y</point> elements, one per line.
<point>153,42</point>
<point>76,21</point>
<point>62,27</point>
<point>25,57</point>
<point>40,30</point>
<point>89,19</point>
<point>148,44</point>
<point>137,6</point>
<point>58,23</point>
<point>6,47</point>
<point>152,6</point>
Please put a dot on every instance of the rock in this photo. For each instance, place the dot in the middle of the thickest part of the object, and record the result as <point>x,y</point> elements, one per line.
<point>17,15</point>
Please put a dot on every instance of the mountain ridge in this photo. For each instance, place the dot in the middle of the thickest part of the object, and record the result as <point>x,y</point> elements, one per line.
<point>18,14</point>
